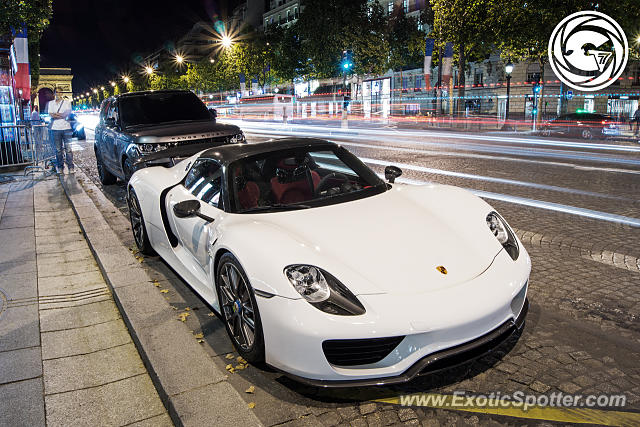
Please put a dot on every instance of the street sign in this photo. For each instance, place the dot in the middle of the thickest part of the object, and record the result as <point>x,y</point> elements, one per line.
<point>569,94</point>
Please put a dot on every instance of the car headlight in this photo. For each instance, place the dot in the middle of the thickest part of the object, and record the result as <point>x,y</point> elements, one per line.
<point>237,138</point>
<point>147,148</point>
<point>503,233</point>
<point>323,291</point>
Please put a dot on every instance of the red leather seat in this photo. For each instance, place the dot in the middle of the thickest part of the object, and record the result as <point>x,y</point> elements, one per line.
<point>296,191</point>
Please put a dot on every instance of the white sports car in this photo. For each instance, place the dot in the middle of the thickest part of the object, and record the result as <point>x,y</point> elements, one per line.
<point>326,272</point>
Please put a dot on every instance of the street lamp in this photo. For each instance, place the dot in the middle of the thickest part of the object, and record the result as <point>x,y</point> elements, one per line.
<point>226,42</point>
<point>179,59</point>
<point>113,84</point>
<point>101,87</point>
<point>212,60</point>
<point>148,70</point>
<point>95,91</point>
<point>508,69</point>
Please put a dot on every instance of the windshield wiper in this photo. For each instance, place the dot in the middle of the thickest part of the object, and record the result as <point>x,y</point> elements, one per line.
<point>277,206</point>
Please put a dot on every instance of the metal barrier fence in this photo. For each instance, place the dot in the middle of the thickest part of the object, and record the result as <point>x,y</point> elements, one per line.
<point>28,145</point>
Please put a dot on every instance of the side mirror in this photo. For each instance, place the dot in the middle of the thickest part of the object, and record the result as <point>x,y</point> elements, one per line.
<point>213,112</point>
<point>189,208</point>
<point>391,173</point>
<point>110,122</point>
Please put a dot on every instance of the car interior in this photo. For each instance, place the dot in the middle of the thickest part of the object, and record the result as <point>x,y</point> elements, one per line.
<point>283,178</point>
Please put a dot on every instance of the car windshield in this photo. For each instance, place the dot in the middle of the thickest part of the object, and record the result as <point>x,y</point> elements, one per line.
<point>299,179</point>
<point>162,107</point>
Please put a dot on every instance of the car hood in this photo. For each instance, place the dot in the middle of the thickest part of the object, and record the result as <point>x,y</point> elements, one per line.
<point>393,242</point>
<point>203,129</point>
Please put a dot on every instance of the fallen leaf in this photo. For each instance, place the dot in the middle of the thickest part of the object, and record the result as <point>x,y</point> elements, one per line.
<point>228,367</point>
<point>187,309</point>
<point>183,316</point>
<point>251,405</point>
<point>212,314</point>
<point>240,367</point>
<point>229,356</point>
<point>241,360</point>
<point>155,283</point>
<point>250,389</point>
<point>199,336</point>
<point>174,307</point>
<point>164,291</point>
<point>200,341</point>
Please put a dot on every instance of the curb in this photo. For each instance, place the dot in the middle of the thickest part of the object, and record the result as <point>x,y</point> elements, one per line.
<point>192,388</point>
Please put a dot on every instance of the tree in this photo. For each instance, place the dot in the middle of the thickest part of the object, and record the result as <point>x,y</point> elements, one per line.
<point>326,29</point>
<point>35,15</point>
<point>406,41</point>
<point>370,43</point>
<point>466,24</point>
<point>287,57</point>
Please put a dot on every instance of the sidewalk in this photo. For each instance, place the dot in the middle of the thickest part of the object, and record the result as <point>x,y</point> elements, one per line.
<point>66,357</point>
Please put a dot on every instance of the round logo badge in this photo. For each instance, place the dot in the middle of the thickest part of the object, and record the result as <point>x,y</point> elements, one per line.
<point>588,50</point>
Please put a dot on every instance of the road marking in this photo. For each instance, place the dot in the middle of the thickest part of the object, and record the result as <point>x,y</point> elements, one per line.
<point>492,179</point>
<point>546,413</point>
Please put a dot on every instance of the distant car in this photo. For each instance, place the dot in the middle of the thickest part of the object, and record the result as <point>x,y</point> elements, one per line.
<point>134,125</point>
<point>326,272</point>
<point>583,125</point>
<point>76,126</point>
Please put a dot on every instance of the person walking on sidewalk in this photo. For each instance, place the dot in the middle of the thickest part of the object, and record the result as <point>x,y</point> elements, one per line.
<point>59,109</point>
<point>636,118</point>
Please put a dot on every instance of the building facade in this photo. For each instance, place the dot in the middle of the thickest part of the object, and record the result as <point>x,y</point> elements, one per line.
<point>281,12</point>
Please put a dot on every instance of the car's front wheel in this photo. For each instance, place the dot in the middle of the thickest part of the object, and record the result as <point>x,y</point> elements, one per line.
<point>106,177</point>
<point>587,134</point>
<point>239,309</point>
<point>137,225</point>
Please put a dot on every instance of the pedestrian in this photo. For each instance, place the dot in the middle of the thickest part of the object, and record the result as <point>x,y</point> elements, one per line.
<point>636,118</point>
<point>59,109</point>
<point>35,114</point>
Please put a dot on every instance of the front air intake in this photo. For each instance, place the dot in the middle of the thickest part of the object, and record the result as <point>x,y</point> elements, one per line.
<point>359,352</point>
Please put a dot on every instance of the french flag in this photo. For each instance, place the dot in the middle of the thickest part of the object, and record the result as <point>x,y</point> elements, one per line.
<point>428,53</point>
<point>23,76</point>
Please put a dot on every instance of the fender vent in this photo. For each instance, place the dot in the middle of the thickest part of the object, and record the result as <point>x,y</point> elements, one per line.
<point>359,352</point>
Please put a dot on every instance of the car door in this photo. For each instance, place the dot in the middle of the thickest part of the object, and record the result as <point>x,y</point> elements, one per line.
<point>109,133</point>
<point>196,236</point>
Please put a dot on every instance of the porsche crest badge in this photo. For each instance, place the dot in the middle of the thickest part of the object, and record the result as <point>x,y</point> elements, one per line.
<point>441,269</point>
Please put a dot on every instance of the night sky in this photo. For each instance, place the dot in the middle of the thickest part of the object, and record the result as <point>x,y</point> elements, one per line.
<point>99,39</point>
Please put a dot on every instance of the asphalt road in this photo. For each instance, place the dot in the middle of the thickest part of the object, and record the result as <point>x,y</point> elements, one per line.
<point>576,206</point>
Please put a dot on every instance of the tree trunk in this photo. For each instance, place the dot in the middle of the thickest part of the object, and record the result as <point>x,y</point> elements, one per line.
<point>461,80</point>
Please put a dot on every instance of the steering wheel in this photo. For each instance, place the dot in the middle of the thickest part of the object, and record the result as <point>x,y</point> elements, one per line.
<point>323,182</point>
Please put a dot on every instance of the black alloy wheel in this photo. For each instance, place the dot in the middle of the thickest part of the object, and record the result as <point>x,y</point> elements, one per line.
<point>239,309</point>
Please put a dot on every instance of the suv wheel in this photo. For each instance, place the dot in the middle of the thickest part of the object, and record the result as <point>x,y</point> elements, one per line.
<point>587,134</point>
<point>106,177</point>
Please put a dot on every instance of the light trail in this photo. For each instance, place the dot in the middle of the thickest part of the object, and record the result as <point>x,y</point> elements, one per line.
<point>493,179</point>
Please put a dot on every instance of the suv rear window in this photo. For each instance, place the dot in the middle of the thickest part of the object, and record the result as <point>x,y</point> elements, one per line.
<point>158,108</point>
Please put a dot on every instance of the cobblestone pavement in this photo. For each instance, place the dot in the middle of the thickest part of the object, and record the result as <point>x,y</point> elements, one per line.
<point>581,336</point>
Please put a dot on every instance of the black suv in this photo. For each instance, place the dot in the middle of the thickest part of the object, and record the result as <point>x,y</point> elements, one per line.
<point>136,124</point>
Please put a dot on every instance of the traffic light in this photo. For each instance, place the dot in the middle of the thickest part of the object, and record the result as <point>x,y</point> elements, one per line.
<point>537,88</point>
<point>347,60</point>
<point>534,111</point>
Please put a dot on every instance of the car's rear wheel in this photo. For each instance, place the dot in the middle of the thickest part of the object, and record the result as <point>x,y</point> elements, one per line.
<point>239,309</point>
<point>587,134</point>
<point>106,177</point>
<point>137,225</point>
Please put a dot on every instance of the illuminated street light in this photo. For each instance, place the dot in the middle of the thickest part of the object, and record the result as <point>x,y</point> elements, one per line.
<point>226,42</point>
<point>87,94</point>
<point>125,79</point>
<point>95,91</point>
<point>212,60</point>
<point>148,70</point>
<point>101,87</point>
<point>179,59</point>
<point>113,84</point>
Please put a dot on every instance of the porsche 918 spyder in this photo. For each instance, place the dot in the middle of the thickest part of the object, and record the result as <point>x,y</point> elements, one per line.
<point>321,269</point>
